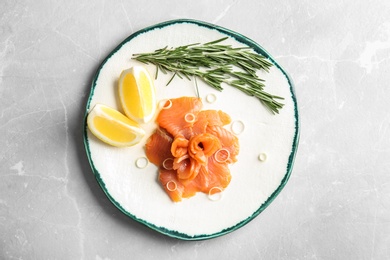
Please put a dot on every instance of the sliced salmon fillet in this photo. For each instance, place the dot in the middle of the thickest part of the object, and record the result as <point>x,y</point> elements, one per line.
<point>197,145</point>
<point>228,140</point>
<point>174,118</point>
<point>208,118</point>
<point>215,175</point>
<point>158,147</point>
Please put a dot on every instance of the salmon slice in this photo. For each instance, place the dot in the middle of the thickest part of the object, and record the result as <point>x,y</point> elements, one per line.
<point>207,118</point>
<point>179,117</point>
<point>158,147</point>
<point>171,184</point>
<point>202,146</point>
<point>179,146</point>
<point>216,175</point>
<point>175,189</point>
<point>187,168</point>
<point>197,146</point>
<point>228,141</point>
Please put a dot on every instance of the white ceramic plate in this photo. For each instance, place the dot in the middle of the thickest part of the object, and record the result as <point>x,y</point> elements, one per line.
<point>255,183</point>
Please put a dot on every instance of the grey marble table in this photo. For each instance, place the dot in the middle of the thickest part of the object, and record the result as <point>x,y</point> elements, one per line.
<point>336,204</point>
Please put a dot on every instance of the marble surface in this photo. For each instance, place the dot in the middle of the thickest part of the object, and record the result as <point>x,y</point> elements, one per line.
<point>337,202</point>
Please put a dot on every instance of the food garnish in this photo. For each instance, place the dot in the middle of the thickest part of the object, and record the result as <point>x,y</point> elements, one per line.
<point>112,127</point>
<point>215,64</point>
<point>137,94</point>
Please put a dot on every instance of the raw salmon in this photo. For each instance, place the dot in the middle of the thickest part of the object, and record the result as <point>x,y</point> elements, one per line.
<point>174,120</point>
<point>192,148</point>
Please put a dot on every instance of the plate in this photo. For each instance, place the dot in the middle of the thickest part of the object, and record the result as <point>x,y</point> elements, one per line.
<point>268,143</point>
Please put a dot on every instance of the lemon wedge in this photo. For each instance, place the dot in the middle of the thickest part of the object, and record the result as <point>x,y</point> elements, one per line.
<point>112,127</point>
<point>137,94</point>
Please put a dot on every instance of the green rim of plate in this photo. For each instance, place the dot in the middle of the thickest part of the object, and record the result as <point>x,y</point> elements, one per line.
<point>240,38</point>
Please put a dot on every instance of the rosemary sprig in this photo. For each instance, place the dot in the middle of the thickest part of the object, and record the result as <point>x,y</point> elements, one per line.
<point>215,64</point>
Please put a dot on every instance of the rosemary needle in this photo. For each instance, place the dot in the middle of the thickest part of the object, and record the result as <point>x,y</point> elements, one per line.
<point>215,64</point>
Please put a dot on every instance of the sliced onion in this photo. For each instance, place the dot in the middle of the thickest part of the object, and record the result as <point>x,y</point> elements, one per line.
<point>164,105</point>
<point>222,155</point>
<point>210,98</point>
<point>141,162</point>
<point>168,164</point>
<point>237,127</point>
<point>189,118</point>
<point>262,157</point>
<point>171,186</point>
<point>215,193</point>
